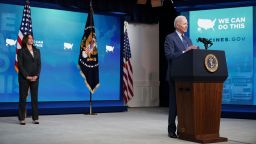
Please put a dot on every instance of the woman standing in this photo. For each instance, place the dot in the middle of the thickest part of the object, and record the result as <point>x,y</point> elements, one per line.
<point>29,64</point>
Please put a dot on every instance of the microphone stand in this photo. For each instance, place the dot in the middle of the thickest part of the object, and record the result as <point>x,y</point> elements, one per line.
<point>206,46</point>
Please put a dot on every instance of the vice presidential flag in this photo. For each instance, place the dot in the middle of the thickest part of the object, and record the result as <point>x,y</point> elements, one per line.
<point>88,58</point>
<point>25,28</point>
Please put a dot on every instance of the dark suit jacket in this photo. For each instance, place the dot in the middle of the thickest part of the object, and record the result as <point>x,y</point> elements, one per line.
<point>27,64</point>
<point>173,48</point>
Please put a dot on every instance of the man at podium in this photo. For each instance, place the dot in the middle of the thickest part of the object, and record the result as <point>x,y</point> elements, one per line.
<point>175,44</point>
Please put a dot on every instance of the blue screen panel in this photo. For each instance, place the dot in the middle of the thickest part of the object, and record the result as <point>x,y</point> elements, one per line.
<point>231,30</point>
<point>58,34</point>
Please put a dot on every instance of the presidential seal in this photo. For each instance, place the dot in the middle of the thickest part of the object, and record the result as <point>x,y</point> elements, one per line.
<point>211,63</point>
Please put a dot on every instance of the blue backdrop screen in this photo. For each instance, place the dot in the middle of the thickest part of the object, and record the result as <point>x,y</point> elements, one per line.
<point>58,34</point>
<point>231,30</point>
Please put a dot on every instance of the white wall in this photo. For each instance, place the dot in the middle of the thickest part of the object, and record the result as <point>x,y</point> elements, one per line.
<point>144,42</point>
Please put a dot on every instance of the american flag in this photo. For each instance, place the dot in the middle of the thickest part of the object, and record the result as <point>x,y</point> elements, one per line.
<point>127,70</point>
<point>25,28</point>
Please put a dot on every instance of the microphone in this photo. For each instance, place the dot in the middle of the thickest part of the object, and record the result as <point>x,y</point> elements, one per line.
<point>204,41</point>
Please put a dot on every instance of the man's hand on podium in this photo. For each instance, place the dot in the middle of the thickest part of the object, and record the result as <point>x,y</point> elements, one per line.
<point>190,48</point>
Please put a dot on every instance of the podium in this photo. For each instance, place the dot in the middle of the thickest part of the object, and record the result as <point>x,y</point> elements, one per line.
<point>199,77</point>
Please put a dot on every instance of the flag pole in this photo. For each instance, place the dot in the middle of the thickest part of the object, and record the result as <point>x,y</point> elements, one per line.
<point>91,113</point>
<point>87,64</point>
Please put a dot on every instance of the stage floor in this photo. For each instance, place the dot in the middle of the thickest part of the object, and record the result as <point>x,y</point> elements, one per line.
<point>137,126</point>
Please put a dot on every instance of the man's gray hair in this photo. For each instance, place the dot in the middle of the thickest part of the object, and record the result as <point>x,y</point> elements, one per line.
<point>178,19</point>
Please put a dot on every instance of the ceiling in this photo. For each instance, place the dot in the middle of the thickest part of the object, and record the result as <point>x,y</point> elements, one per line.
<point>128,5</point>
<point>184,5</point>
<point>145,11</point>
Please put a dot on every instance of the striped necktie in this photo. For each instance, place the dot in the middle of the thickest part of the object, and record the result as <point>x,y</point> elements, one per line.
<point>184,41</point>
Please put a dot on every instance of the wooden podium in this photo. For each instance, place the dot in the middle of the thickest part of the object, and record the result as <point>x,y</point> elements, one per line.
<point>199,77</point>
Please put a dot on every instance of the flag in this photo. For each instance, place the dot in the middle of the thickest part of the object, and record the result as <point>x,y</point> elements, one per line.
<point>127,69</point>
<point>25,28</point>
<point>88,57</point>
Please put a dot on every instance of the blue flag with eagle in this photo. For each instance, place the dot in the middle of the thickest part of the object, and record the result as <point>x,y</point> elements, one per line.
<point>88,57</point>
